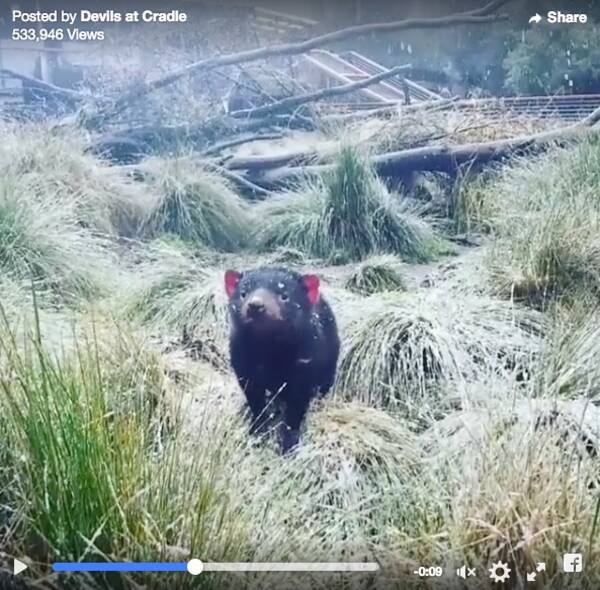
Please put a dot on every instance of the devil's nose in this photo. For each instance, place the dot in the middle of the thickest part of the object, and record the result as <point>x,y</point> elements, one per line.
<point>256,308</point>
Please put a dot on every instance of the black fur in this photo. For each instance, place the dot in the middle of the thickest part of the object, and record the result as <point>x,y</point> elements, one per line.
<point>291,358</point>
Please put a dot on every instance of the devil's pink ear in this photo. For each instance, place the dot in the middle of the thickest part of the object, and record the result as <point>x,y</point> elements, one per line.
<point>232,278</point>
<point>311,284</point>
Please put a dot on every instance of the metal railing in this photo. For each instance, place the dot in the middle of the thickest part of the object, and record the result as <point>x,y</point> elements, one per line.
<point>569,107</point>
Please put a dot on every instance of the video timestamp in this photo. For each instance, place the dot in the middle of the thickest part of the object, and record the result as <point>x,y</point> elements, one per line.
<point>429,572</point>
<point>55,34</point>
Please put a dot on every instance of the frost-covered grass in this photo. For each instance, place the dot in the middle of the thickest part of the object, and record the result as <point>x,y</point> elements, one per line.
<point>347,216</point>
<point>195,204</point>
<point>545,214</point>
<point>43,242</point>
<point>48,162</point>
<point>405,349</point>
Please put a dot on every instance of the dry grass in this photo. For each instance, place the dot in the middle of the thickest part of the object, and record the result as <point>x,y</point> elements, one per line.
<point>43,242</point>
<point>571,367</point>
<point>406,348</point>
<point>195,204</point>
<point>347,216</point>
<point>544,212</point>
<point>376,275</point>
<point>54,163</point>
<point>409,129</point>
<point>520,475</point>
<point>178,295</point>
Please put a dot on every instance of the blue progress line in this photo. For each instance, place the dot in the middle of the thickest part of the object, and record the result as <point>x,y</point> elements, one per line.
<point>133,566</point>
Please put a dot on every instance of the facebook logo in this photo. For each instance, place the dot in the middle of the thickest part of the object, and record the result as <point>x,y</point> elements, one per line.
<point>572,562</point>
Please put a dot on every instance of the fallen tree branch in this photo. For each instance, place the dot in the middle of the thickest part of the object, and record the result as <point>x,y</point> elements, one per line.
<point>66,93</point>
<point>263,163</point>
<point>486,14</point>
<point>138,173</point>
<point>258,163</point>
<point>439,158</point>
<point>295,101</point>
<point>131,144</point>
<point>242,183</point>
<point>219,147</point>
<point>388,110</point>
<point>448,159</point>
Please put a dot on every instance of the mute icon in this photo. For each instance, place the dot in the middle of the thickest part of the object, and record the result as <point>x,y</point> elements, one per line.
<point>465,572</point>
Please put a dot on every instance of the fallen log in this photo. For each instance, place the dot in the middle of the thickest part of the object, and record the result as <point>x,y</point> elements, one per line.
<point>296,101</point>
<point>64,93</point>
<point>258,163</point>
<point>246,186</point>
<point>130,145</point>
<point>485,14</point>
<point>237,141</point>
<point>439,158</point>
<point>344,118</point>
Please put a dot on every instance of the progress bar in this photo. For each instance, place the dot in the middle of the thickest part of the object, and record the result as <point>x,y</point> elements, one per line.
<point>195,566</point>
<point>133,566</point>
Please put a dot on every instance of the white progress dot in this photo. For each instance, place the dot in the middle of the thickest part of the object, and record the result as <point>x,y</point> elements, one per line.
<point>195,567</point>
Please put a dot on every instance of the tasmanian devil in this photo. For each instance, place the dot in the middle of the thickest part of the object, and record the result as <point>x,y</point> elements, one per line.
<point>284,344</point>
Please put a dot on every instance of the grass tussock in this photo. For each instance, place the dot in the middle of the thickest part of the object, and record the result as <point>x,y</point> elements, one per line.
<point>347,216</point>
<point>345,472</point>
<point>470,204</point>
<point>545,214</point>
<point>42,240</point>
<point>180,295</point>
<point>94,479</point>
<point>50,162</point>
<point>571,358</point>
<point>376,275</point>
<point>406,346</point>
<point>194,203</point>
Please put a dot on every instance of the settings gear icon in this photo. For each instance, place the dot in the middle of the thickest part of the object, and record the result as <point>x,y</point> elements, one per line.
<point>500,572</point>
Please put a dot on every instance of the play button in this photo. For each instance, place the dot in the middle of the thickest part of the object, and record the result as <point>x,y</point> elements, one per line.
<point>18,567</point>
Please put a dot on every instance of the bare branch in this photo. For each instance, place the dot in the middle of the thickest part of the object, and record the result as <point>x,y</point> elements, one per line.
<point>270,162</point>
<point>239,181</point>
<point>295,101</point>
<point>50,88</point>
<point>219,147</point>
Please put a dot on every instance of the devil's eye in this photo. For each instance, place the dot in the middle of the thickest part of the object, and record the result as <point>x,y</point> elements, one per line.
<point>284,296</point>
<point>243,293</point>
